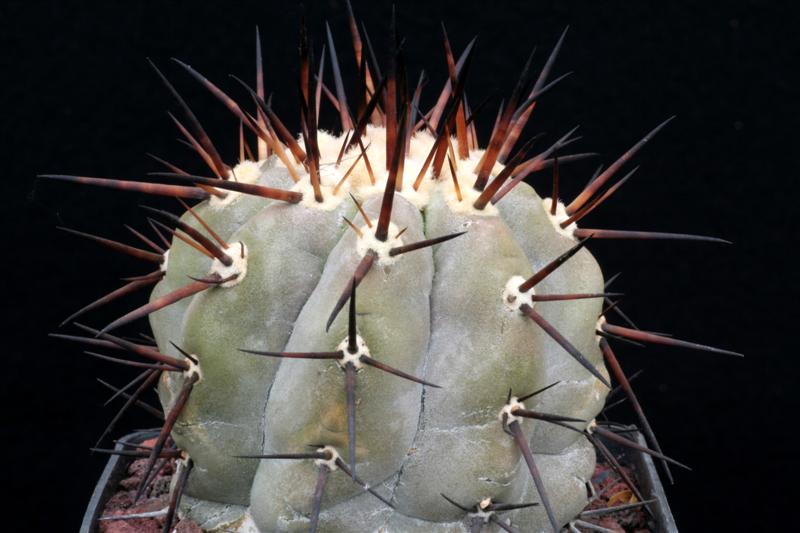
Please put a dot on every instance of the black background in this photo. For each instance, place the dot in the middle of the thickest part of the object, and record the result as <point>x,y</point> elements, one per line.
<point>80,98</point>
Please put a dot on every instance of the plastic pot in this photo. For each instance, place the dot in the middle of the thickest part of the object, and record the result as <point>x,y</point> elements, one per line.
<point>644,472</point>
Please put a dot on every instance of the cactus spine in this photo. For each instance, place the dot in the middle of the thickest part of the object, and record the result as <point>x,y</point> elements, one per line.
<point>380,330</point>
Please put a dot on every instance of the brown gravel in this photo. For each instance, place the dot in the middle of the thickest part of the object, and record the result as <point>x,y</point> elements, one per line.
<point>613,491</point>
<point>156,498</point>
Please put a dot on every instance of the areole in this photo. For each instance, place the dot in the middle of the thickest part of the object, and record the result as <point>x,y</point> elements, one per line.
<point>452,282</point>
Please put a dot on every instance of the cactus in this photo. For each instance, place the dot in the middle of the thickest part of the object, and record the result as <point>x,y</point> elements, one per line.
<point>382,329</point>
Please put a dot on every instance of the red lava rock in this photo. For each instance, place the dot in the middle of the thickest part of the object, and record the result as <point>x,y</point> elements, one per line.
<point>610,523</point>
<point>607,483</point>
<point>155,499</point>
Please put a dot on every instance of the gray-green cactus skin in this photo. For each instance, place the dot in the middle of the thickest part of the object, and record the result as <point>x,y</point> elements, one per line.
<point>384,330</point>
<point>439,313</point>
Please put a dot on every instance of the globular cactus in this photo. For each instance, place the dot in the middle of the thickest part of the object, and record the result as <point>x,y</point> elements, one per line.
<point>381,330</point>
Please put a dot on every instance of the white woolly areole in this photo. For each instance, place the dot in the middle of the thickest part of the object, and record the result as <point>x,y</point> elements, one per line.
<point>481,511</point>
<point>244,172</point>
<point>194,368</point>
<point>599,327</point>
<point>560,216</point>
<point>164,261</point>
<point>418,198</point>
<point>366,191</point>
<point>368,242</point>
<point>238,252</point>
<point>513,298</point>
<point>374,142</point>
<point>354,358</point>
<point>215,202</point>
<point>508,410</point>
<point>182,462</point>
<point>330,463</point>
<point>329,200</point>
<point>330,176</point>
<point>468,196</point>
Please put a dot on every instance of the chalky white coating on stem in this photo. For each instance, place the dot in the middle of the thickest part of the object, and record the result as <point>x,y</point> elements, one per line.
<point>238,253</point>
<point>560,216</point>
<point>513,298</point>
<point>434,313</point>
<point>330,463</point>
<point>578,392</point>
<point>484,261</point>
<point>287,246</point>
<point>353,358</point>
<point>368,242</point>
<point>395,322</point>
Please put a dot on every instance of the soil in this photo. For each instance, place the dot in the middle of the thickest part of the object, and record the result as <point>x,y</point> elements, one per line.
<point>612,491</point>
<point>609,489</point>
<point>157,498</point>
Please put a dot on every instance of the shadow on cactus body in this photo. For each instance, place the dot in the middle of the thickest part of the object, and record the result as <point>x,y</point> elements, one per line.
<point>381,330</point>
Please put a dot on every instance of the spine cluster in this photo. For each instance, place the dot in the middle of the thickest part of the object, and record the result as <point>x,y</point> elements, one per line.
<point>381,328</point>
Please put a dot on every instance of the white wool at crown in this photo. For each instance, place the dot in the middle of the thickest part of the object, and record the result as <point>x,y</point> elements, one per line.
<point>443,329</point>
<point>374,141</point>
